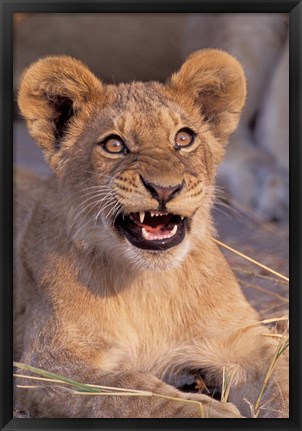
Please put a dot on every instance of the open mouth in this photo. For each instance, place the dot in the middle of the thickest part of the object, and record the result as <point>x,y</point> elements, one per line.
<point>152,230</point>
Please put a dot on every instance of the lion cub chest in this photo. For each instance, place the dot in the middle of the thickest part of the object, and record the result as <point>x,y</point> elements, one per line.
<point>142,332</point>
<point>143,325</point>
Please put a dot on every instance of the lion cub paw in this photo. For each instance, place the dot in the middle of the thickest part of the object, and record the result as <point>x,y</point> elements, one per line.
<point>212,408</point>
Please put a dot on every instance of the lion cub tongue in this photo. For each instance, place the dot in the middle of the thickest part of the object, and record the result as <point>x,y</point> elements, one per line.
<point>154,227</point>
<point>150,233</point>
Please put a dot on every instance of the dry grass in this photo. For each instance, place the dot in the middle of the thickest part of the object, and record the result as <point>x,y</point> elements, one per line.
<point>227,382</point>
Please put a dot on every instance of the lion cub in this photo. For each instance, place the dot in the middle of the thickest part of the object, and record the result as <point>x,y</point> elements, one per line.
<point>117,279</point>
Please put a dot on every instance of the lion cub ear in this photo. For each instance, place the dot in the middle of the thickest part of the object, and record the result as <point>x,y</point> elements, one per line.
<point>216,82</point>
<point>54,93</point>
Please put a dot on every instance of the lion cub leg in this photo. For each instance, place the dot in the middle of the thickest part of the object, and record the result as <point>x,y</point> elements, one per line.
<point>254,387</point>
<point>160,400</point>
<point>245,357</point>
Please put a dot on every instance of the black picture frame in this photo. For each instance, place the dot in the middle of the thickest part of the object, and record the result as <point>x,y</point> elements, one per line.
<point>7,9</point>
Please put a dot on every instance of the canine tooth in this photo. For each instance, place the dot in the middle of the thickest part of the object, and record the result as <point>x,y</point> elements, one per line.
<point>173,231</point>
<point>145,233</point>
<point>152,214</point>
<point>182,217</point>
<point>142,216</point>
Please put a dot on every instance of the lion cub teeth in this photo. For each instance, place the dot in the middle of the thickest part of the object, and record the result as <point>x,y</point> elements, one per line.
<point>142,216</point>
<point>155,236</point>
<point>156,214</point>
<point>174,230</point>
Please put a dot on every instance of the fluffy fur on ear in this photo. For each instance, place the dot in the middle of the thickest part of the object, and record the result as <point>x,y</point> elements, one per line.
<point>53,91</point>
<point>217,83</point>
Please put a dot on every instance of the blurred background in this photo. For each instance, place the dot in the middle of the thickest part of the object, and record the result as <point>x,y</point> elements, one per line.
<point>251,212</point>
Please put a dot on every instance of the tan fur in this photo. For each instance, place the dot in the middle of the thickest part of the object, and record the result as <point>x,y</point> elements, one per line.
<point>90,305</point>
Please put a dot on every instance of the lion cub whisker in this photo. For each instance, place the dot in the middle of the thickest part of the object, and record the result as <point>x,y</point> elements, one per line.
<point>94,201</point>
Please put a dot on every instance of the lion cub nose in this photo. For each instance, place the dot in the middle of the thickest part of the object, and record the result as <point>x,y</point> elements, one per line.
<point>160,193</point>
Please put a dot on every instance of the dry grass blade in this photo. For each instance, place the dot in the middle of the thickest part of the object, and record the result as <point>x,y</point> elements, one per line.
<point>273,335</point>
<point>252,410</point>
<point>226,384</point>
<point>223,388</point>
<point>42,379</point>
<point>102,390</point>
<point>54,376</point>
<point>272,320</point>
<point>88,389</point>
<point>258,275</point>
<point>244,256</point>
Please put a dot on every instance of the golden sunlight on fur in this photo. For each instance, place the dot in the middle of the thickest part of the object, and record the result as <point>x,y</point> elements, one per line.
<point>117,280</point>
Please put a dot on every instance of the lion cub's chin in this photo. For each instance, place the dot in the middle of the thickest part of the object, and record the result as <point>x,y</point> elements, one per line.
<point>157,260</point>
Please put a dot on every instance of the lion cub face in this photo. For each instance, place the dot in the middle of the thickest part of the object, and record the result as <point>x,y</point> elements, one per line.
<point>148,176</point>
<point>135,163</point>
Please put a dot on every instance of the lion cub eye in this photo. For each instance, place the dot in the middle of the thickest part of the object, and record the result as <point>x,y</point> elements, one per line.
<point>114,145</point>
<point>184,138</point>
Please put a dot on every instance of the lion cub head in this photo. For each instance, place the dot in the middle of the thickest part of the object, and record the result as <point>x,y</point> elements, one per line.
<point>134,163</point>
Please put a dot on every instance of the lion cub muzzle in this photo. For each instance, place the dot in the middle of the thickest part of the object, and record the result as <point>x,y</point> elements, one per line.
<point>155,230</point>
<point>152,230</point>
